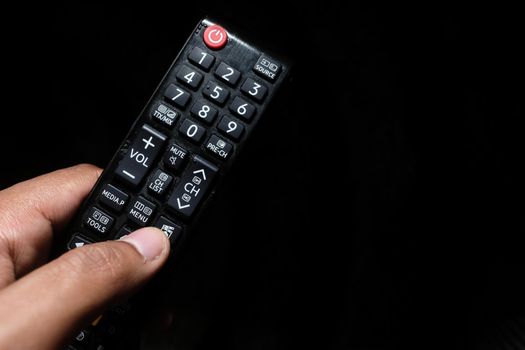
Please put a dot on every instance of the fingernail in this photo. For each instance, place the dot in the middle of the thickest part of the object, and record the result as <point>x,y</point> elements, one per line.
<point>150,242</point>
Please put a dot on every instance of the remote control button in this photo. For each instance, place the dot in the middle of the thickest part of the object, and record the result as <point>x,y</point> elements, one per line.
<point>216,93</point>
<point>177,95</point>
<point>219,147</point>
<point>242,109</point>
<point>201,58</point>
<point>140,155</point>
<point>231,128</point>
<point>83,337</point>
<point>267,68</point>
<point>75,347</point>
<point>164,115</point>
<point>78,241</point>
<point>227,74</point>
<point>215,37</point>
<point>160,182</point>
<point>192,131</point>
<point>108,330</point>
<point>253,89</point>
<point>98,221</point>
<point>189,77</point>
<point>123,231</point>
<point>113,197</point>
<point>204,111</point>
<point>192,186</point>
<point>140,211</point>
<point>175,157</point>
<point>171,229</point>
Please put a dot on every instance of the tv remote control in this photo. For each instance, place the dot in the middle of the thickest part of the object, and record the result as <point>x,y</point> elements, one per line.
<point>183,142</point>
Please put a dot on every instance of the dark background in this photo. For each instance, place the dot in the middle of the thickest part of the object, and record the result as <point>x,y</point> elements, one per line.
<point>380,205</point>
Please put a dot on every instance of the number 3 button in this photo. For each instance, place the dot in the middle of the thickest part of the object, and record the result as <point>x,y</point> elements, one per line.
<point>253,89</point>
<point>231,128</point>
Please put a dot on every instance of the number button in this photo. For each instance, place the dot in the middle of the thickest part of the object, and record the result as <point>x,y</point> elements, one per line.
<point>177,95</point>
<point>242,108</point>
<point>203,111</point>
<point>201,59</point>
<point>231,128</point>
<point>189,77</point>
<point>253,89</point>
<point>228,74</point>
<point>216,93</point>
<point>192,131</point>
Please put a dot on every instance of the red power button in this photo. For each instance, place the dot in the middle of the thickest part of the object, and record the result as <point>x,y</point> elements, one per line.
<point>215,37</point>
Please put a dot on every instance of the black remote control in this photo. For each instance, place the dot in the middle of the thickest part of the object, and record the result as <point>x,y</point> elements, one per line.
<point>184,141</point>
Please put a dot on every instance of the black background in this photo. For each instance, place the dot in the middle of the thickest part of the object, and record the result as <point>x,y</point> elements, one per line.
<point>380,205</point>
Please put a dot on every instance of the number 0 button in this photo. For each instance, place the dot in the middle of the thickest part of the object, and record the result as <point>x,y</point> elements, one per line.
<point>231,128</point>
<point>192,131</point>
<point>253,89</point>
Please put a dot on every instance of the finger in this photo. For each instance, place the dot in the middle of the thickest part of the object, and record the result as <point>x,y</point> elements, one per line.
<point>76,287</point>
<point>32,209</point>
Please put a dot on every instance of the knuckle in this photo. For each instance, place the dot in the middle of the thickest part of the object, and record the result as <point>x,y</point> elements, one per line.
<point>98,260</point>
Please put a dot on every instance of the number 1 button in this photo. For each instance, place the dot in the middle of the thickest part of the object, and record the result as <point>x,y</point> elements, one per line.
<point>201,59</point>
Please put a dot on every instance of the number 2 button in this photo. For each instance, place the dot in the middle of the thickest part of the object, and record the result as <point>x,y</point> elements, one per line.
<point>230,128</point>
<point>227,74</point>
<point>189,77</point>
<point>253,89</point>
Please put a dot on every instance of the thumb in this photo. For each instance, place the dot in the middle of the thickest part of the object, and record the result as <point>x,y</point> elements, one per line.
<point>57,299</point>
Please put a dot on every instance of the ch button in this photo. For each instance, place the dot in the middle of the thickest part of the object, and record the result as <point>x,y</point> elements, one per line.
<point>140,155</point>
<point>192,187</point>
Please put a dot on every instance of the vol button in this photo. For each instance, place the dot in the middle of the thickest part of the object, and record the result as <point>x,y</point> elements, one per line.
<point>215,37</point>
<point>140,155</point>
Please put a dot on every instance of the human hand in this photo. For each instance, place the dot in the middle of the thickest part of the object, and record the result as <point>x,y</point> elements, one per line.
<point>43,304</point>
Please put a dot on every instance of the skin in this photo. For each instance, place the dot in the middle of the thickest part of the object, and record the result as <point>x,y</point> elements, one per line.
<point>43,304</point>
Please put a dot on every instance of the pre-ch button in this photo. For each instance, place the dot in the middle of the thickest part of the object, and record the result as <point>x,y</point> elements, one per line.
<point>219,147</point>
